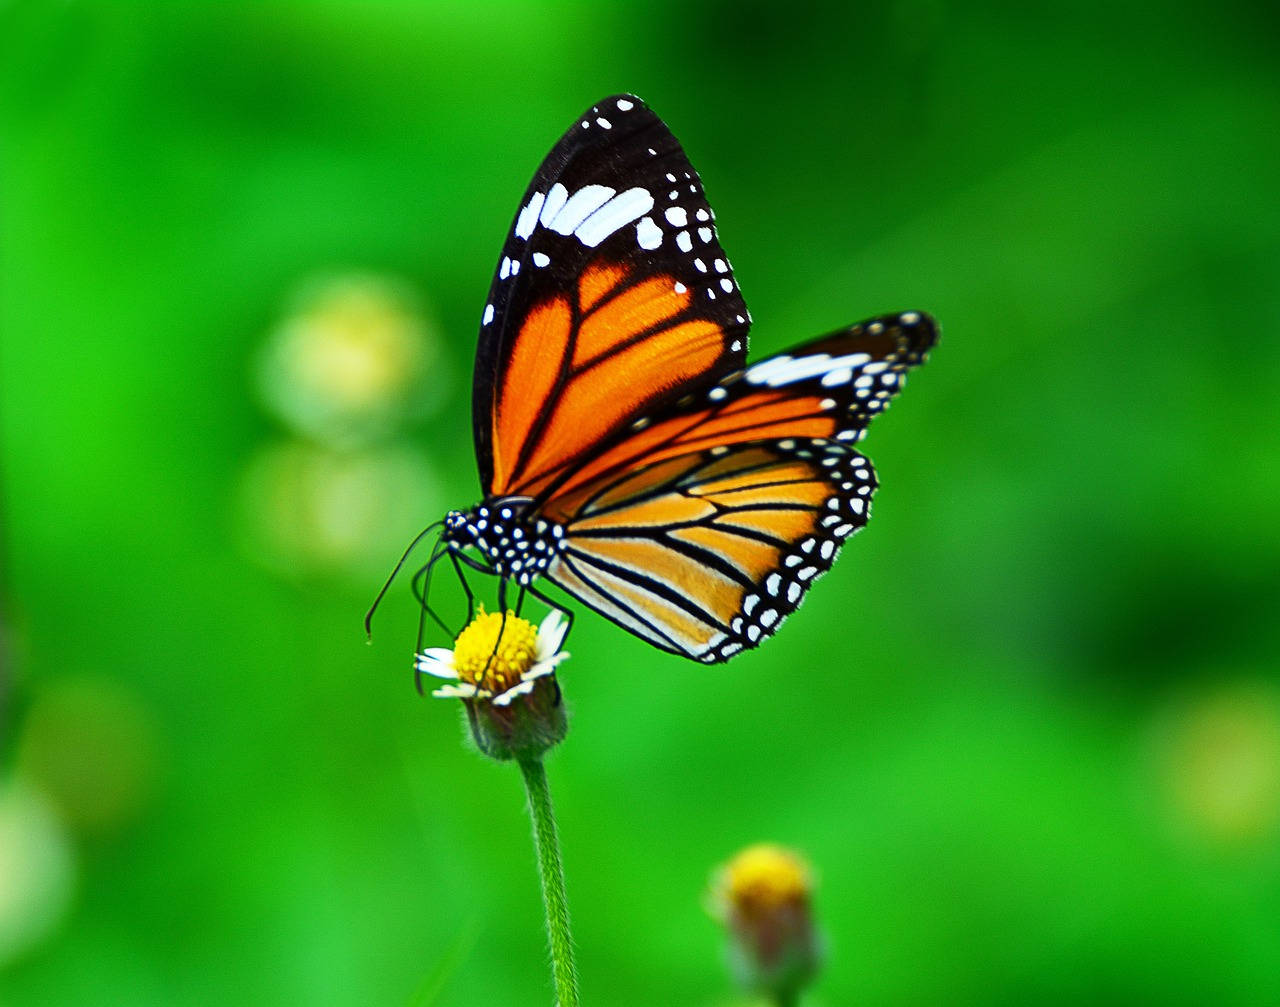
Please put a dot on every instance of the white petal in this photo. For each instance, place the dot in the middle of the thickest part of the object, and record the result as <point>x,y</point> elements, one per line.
<point>463,691</point>
<point>551,634</point>
<point>539,670</point>
<point>513,692</point>
<point>437,661</point>
<point>555,659</point>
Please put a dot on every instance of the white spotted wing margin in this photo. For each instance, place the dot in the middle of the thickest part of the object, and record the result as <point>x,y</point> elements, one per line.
<point>616,190</point>
<point>706,554</point>
<point>857,371</point>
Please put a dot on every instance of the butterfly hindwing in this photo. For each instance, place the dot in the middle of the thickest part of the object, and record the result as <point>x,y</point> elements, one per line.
<point>706,553</point>
<point>612,298</point>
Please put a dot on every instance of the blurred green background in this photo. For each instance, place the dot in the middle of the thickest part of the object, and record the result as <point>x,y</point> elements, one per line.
<point>1028,731</point>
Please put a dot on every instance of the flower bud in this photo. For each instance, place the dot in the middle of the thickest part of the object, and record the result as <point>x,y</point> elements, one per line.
<point>762,896</point>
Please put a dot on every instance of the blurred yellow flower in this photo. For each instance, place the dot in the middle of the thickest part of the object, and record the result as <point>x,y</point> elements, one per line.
<point>350,361</point>
<point>306,509</point>
<point>1220,763</point>
<point>762,896</point>
<point>764,878</point>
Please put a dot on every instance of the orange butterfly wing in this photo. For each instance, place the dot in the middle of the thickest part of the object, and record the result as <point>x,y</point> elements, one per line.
<point>702,530</point>
<point>705,554</point>
<point>612,298</point>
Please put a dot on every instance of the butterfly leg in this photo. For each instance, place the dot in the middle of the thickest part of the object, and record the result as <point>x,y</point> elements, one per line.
<point>421,586</point>
<point>466,588</point>
<point>568,616</point>
<point>567,613</point>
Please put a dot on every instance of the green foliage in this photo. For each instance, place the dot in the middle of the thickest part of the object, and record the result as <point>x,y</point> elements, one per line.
<point>1028,730</point>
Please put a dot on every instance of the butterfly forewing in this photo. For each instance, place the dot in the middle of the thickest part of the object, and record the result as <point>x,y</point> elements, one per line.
<point>831,387</point>
<point>612,298</point>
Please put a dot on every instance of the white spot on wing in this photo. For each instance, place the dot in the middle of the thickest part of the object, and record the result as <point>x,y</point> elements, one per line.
<point>529,215</point>
<point>551,206</point>
<point>648,234</point>
<point>541,259</point>
<point>684,241</point>
<point>488,314</point>
<point>625,106</point>
<point>676,216</point>
<point>578,208</point>
<point>784,370</point>
<point>617,213</point>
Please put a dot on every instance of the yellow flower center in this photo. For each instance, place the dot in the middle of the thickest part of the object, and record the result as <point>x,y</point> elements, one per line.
<point>765,877</point>
<point>492,662</point>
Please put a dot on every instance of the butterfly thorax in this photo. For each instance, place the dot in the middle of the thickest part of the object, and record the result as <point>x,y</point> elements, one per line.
<point>515,542</point>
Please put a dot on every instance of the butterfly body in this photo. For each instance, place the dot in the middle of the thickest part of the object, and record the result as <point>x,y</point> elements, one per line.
<point>628,452</point>
<point>513,540</point>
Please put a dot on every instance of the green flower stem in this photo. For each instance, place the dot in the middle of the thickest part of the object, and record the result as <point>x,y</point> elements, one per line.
<point>553,897</point>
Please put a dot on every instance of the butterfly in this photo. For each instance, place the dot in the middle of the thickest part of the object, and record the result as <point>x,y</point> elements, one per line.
<point>628,452</point>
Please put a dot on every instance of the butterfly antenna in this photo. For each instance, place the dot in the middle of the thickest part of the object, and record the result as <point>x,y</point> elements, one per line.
<point>368,616</point>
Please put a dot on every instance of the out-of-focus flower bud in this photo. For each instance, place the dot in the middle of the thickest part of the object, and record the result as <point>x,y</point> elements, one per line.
<point>763,897</point>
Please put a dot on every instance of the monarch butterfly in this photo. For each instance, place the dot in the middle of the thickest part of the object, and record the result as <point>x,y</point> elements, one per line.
<point>628,453</point>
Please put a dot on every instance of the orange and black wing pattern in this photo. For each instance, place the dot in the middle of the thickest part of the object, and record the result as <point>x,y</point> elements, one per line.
<point>611,300</point>
<point>703,528</point>
<point>705,554</point>
<point>832,387</point>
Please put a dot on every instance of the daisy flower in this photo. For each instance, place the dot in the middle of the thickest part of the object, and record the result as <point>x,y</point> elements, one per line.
<point>484,666</point>
<point>503,671</point>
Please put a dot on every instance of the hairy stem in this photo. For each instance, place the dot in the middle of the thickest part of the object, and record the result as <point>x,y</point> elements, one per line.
<point>553,896</point>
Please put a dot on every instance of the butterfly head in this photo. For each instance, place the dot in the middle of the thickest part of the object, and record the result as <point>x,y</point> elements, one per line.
<point>515,542</point>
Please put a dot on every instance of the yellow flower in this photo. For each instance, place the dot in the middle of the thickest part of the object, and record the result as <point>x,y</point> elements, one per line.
<point>503,671</point>
<point>497,658</point>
